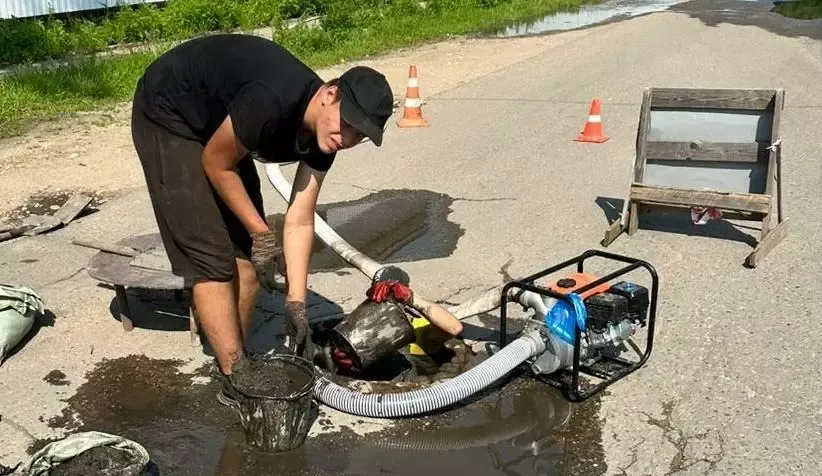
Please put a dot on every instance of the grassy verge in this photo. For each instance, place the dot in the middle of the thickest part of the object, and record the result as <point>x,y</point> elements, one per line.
<point>803,9</point>
<point>52,37</point>
<point>346,34</point>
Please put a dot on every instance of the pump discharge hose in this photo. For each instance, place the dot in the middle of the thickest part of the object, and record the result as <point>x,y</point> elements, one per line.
<point>415,402</point>
<point>488,301</point>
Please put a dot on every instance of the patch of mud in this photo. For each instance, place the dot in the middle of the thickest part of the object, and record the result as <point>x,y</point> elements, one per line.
<point>48,202</point>
<point>518,426</point>
<point>56,377</point>
<point>390,226</point>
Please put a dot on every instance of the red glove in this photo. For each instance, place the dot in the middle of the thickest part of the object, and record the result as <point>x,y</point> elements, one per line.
<point>342,359</point>
<point>378,292</point>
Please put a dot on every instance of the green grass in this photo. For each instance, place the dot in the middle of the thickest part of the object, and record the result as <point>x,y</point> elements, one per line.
<point>35,39</point>
<point>803,10</point>
<point>375,27</point>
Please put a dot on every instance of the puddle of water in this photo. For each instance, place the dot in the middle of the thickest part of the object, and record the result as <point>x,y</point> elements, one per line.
<point>390,226</point>
<point>610,10</point>
<point>524,428</point>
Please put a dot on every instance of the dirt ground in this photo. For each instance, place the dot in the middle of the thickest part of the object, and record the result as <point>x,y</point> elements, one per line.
<point>93,151</point>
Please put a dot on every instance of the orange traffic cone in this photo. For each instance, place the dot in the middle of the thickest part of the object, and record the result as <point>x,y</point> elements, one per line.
<point>412,112</point>
<point>593,126</point>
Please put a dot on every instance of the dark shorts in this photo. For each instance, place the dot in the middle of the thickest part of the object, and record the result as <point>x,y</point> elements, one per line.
<point>202,237</point>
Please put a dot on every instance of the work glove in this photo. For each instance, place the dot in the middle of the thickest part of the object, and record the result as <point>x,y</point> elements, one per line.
<point>341,359</point>
<point>265,249</point>
<point>380,291</point>
<point>297,334</point>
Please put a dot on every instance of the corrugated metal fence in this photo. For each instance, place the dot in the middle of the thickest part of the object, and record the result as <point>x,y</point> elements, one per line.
<point>32,8</point>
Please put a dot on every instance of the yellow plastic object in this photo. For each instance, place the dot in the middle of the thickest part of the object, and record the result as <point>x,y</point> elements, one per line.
<point>420,325</point>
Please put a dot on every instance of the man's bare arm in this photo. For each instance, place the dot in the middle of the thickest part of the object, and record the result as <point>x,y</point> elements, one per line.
<point>298,230</point>
<point>222,152</point>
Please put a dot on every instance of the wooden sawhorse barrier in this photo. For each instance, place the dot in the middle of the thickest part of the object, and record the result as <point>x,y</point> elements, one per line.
<point>713,149</point>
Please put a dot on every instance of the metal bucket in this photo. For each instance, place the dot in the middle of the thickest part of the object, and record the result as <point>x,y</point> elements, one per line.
<point>373,331</point>
<point>279,423</point>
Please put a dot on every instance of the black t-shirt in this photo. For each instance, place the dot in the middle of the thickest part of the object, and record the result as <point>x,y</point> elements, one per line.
<point>265,89</point>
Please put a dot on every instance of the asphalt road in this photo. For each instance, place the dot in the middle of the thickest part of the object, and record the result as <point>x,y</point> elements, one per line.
<point>732,386</point>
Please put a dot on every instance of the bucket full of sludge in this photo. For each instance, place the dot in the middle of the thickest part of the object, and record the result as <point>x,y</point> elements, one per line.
<point>274,394</point>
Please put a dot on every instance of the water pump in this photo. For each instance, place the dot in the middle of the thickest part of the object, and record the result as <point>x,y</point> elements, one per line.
<point>586,321</point>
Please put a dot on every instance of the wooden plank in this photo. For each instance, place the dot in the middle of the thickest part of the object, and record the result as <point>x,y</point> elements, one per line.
<point>107,247</point>
<point>642,136</point>
<point>749,99</point>
<point>767,243</point>
<point>73,207</point>
<point>701,198</point>
<point>666,208</point>
<point>751,152</point>
<point>153,258</point>
<point>633,218</point>
<point>116,270</point>
<point>771,173</point>
<point>612,233</point>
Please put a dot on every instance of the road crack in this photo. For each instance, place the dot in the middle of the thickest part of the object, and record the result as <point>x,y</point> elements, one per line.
<point>685,444</point>
<point>634,457</point>
<point>67,278</point>
<point>17,427</point>
<point>447,299</point>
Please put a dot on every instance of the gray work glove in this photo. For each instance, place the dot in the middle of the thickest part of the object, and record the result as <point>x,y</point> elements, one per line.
<point>297,333</point>
<point>265,249</point>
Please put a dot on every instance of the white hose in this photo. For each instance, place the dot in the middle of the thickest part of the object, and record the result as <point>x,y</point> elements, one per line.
<point>435,397</point>
<point>327,234</point>
<point>487,302</point>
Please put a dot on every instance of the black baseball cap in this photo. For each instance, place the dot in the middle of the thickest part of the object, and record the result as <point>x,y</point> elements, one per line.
<point>367,101</point>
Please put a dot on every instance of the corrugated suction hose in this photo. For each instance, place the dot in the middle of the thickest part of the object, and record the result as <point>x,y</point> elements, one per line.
<point>435,397</point>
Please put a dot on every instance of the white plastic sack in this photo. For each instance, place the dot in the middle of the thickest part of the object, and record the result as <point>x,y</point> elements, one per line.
<point>19,307</point>
<point>57,452</point>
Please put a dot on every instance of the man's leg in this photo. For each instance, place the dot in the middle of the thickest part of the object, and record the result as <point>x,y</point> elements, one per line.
<point>193,230</point>
<point>247,285</point>
<point>246,289</point>
<point>217,311</point>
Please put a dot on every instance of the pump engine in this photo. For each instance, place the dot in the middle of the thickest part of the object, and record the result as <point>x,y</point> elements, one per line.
<point>586,322</point>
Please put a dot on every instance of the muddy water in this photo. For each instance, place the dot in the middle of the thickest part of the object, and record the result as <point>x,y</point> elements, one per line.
<point>760,13</point>
<point>390,226</point>
<point>522,428</point>
<point>589,15</point>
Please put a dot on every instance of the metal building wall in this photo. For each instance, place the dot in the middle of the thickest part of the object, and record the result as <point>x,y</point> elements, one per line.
<point>31,8</point>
